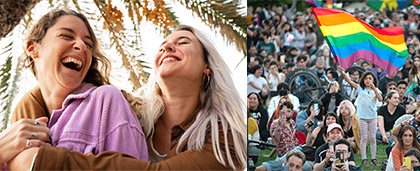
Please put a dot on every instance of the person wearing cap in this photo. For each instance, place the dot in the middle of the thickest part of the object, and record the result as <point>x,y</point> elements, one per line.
<point>342,146</point>
<point>324,155</point>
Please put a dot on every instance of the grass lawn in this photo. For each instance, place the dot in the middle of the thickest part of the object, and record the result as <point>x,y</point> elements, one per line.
<point>380,155</point>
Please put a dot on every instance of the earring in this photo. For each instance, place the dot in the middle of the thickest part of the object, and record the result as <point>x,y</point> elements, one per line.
<point>28,61</point>
<point>206,81</point>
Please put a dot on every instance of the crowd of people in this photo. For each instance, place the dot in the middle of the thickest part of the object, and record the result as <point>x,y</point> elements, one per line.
<point>365,107</point>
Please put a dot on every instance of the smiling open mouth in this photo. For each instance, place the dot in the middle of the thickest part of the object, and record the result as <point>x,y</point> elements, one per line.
<point>169,59</point>
<point>72,63</point>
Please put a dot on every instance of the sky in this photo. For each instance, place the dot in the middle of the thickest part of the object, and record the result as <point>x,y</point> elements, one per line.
<point>151,40</point>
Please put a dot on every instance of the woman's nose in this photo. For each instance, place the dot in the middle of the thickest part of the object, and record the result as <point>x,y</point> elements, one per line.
<point>169,47</point>
<point>79,46</point>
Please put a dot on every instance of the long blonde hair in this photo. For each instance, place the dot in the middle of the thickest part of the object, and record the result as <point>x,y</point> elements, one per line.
<point>221,108</point>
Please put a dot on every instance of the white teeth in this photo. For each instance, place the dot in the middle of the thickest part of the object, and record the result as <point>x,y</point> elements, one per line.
<point>76,61</point>
<point>169,59</point>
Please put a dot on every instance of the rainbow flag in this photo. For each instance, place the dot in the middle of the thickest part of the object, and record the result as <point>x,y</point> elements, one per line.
<point>351,39</point>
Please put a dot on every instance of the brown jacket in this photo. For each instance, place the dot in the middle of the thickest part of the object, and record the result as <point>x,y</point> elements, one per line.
<point>356,132</point>
<point>33,106</point>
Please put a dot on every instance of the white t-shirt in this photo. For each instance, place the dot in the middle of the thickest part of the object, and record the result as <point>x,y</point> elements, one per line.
<point>274,81</point>
<point>260,81</point>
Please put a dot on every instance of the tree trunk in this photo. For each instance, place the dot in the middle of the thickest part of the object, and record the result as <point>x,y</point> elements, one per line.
<point>11,12</point>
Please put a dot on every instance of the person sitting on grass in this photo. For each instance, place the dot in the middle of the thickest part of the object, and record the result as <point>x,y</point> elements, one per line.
<point>283,130</point>
<point>325,153</point>
<point>342,146</point>
<point>317,137</point>
<point>405,142</point>
<point>414,155</point>
<point>350,123</point>
<point>308,115</point>
<point>413,121</point>
<point>387,115</point>
<point>295,161</point>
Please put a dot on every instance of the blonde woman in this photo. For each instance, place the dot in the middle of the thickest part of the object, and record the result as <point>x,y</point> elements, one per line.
<point>387,115</point>
<point>350,124</point>
<point>202,128</point>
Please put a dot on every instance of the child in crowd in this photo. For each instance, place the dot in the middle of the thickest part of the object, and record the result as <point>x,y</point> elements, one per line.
<point>366,102</point>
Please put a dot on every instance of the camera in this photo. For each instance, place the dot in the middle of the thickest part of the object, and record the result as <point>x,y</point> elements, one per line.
<point>310,123</point>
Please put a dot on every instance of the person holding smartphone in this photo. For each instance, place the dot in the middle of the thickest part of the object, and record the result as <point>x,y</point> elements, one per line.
<point>414,156</point>
<point>295,162</point>
<point>324,155</point>
<point>342,152</point>
<point>283,130</point>
<point>310,115</point>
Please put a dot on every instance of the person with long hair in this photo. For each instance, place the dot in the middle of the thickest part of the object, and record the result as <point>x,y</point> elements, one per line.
<point>414,77</point>
<point>202,128</point>
<point>283,130</point>
<point>324,154</point>
<point>259,113</point>
<point>86,114</point>
<point>387,115</point>
<point>368,96</point>
<point>310,115</point>
<point>257,83</point>
<point>317,137</point>
<point>333,98</point>
<point>414,155</point>
<point>274,78</point>
<point>406,141</point>
<point>350,124</point>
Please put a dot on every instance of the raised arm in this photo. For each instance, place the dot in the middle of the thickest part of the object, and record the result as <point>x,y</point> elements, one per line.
<point>312,135</point>
<point>353,84</point>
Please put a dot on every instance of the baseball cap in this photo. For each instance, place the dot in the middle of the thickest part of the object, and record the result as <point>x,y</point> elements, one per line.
<point>332,126</point>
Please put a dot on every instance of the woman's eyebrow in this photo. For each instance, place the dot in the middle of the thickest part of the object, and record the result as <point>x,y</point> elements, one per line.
<point>72,31</point>
<point>181,37</point>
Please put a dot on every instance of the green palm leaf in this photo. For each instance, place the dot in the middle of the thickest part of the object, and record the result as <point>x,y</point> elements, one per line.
<point>222,14</point>
<point>8,84</point>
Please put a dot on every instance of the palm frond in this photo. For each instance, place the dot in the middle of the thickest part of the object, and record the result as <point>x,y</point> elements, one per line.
<point>222,14</point>
<point>113,23</point>
<point>7,84</point>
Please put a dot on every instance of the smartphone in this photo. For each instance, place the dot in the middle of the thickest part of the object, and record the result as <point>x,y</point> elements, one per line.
<point>310,123</point>
<point>340,157</point>
<point>316,109</point>
<point>407,162</point>
<point>331,146</point>
<point>282,59</point>
<point>416,168</point>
